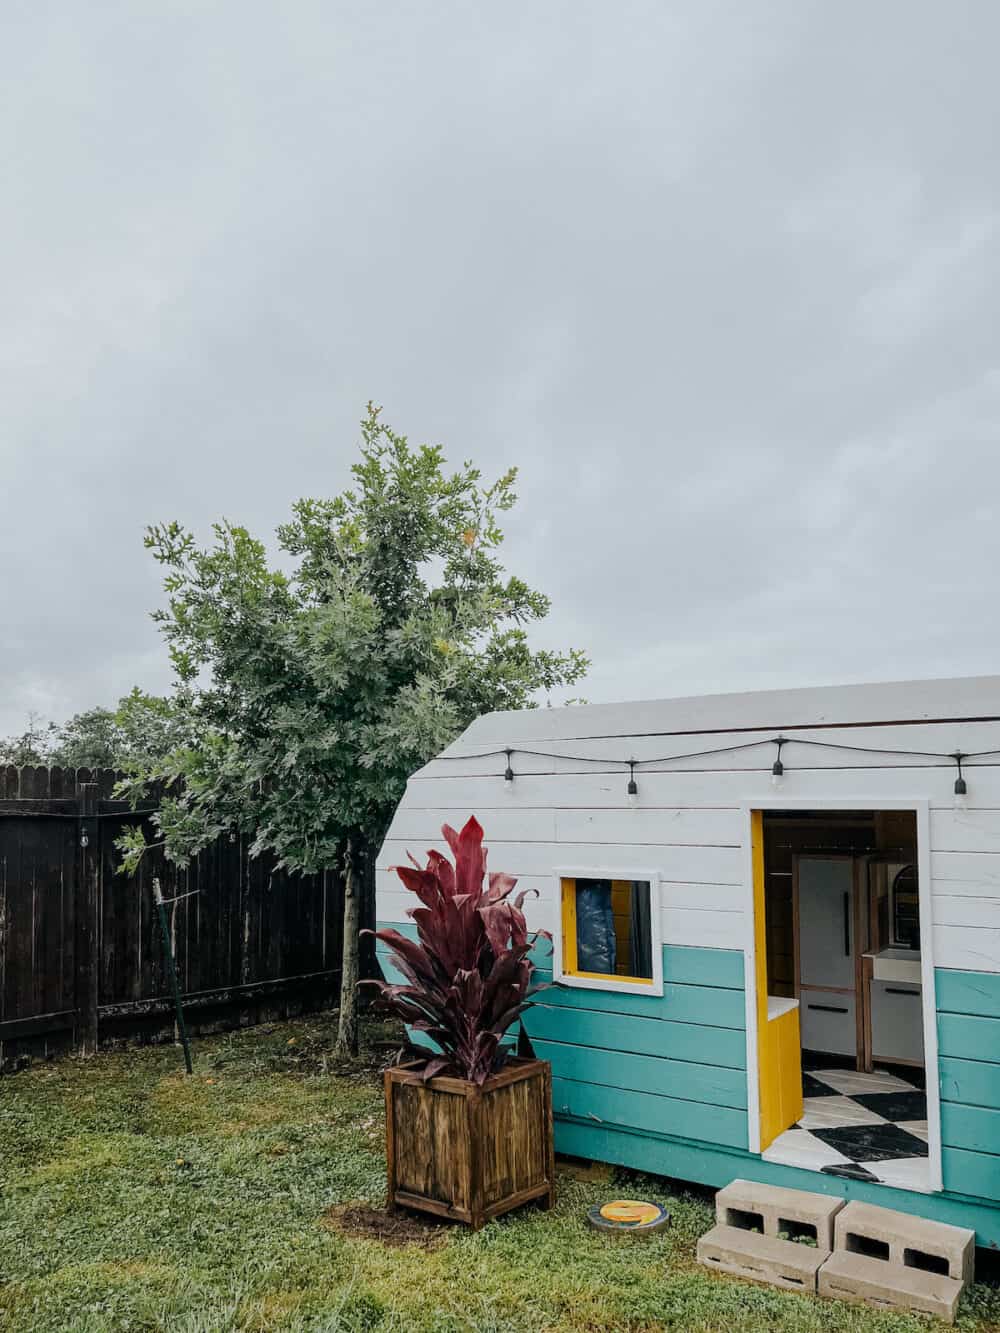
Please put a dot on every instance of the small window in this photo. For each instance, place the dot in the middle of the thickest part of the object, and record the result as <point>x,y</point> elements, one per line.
<point>609,935</point>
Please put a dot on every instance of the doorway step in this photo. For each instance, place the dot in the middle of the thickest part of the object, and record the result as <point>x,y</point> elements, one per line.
<point>857,1252</point>
<point>895,1261</point>
<point>769,1234</point>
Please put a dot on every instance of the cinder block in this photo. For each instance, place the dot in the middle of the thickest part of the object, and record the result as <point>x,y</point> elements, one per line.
<point>796,1212</point>
<point>909,1242</point>
<point>748,1254</point>
<point>888,1286</point>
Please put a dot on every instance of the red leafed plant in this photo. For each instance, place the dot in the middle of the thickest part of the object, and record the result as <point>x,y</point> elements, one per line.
<point>468,975</point>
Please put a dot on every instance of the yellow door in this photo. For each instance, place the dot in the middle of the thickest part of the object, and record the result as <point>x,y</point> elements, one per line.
<point>779,1048</point>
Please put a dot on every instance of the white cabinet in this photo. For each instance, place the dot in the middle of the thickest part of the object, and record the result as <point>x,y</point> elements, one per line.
<point>828,1021</point>
<point>897,1021</point>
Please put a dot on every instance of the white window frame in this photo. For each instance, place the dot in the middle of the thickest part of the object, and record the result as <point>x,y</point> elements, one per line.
<point>921,808</point>
<point>654,879</point>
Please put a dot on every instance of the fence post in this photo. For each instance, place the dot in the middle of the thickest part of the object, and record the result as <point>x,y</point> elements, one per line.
<point>86,943</point>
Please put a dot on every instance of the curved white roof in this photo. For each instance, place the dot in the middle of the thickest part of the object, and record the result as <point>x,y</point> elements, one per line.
<point>969,698</point>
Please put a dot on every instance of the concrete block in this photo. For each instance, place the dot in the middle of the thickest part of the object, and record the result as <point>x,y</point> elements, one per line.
<point>888,1286</point>
<point>795,1212</point>
<point>748,1254</point>
<point>906,1241</point>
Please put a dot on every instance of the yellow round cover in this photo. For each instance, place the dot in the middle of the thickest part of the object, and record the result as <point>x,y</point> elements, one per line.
<point>630,1211</point>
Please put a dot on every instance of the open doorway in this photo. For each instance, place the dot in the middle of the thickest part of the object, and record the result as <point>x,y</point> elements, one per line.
<point>842,942</point>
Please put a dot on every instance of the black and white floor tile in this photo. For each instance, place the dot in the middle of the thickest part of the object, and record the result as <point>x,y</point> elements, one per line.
<point>862,1126</point>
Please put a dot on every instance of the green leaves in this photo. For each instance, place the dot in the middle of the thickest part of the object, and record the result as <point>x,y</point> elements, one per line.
<point>305,699</point>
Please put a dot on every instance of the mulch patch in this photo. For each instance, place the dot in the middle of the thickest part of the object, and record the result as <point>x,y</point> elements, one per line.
<point>361,1220</point>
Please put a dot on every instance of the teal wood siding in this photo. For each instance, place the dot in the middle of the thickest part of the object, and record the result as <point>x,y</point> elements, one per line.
<point>672,1065</point>
<point>969,1069</point>
<point>717,1166</point>
<point>658,1083</point>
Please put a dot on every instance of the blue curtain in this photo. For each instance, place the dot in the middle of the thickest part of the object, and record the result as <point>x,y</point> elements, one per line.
<point>596,946</point>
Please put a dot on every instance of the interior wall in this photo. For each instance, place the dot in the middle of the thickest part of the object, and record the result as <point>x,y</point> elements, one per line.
<point>787,834</point>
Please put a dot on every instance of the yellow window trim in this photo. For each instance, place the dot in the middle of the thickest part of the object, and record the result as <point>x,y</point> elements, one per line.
<point>609,976</point>
<point>570,968</point>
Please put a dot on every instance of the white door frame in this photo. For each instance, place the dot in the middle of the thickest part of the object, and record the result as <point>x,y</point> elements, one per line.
<point>921,808</point>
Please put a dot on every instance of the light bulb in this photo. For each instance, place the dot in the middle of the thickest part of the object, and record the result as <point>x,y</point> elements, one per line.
<point>778,768</point>
<point>961,790</point>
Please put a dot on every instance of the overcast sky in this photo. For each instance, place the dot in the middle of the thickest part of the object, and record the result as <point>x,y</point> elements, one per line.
<point>721,278</point>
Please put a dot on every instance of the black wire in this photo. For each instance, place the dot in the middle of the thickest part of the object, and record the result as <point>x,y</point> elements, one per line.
<point>722,749</point>
<point>600,759</point>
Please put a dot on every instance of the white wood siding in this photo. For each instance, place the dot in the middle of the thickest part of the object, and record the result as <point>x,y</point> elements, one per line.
<point>688,824</point>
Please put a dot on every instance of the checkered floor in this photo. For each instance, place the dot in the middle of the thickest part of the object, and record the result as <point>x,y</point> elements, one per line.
<point>862,1126</point>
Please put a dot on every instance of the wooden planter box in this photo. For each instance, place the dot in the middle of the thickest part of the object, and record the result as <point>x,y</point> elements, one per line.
<point>466,1152</point>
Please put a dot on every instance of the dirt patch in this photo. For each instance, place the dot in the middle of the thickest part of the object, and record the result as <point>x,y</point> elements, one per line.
<point>361,1221</point>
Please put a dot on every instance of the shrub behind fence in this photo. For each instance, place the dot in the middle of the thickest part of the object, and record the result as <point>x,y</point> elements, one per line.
<point>80,954</point>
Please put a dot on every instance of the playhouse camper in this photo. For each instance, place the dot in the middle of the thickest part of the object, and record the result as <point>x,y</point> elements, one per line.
<point>776,926</point>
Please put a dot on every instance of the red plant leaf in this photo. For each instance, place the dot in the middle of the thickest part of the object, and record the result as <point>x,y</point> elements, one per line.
<point>421,882</point>
<point>470,863</point>
<point>469,973</point>
<point>499,920</point>
<point>501,885</point>
<point>435,1066</point>
<point>444,872</point>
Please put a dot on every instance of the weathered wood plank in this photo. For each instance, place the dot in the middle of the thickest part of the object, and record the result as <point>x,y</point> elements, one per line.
<point>77,935</point>
<point>467,1152</point>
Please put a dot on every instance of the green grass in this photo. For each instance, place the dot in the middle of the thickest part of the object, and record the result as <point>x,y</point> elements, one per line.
<point>134,1198</point>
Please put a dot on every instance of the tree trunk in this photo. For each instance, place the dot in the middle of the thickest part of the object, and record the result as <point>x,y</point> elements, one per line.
<point>347,1031</point>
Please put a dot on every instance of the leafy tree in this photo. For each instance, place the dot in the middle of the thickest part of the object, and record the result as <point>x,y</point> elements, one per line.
<point>311,696</point>
<point>33,746</point>
<point>88,740</point>
<point>148,729</point>
<point>142,729</point>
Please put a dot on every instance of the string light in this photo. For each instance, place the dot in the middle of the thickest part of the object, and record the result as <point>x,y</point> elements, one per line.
<point>632,789</point>
<point>778,768</point>
<point>508,776</point>
<point>961,787</point>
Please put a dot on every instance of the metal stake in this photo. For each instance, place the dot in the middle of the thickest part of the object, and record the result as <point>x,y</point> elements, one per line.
<point>168,953</point>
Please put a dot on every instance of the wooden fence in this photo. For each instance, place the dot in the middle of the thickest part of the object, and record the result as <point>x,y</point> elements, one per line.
<point>80,955</point>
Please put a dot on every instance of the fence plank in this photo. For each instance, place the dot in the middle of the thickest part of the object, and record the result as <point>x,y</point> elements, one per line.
<point>79,955</point>
<point>87,908</point>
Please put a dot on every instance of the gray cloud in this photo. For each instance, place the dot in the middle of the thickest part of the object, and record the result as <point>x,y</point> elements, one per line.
<point>722,279</point>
